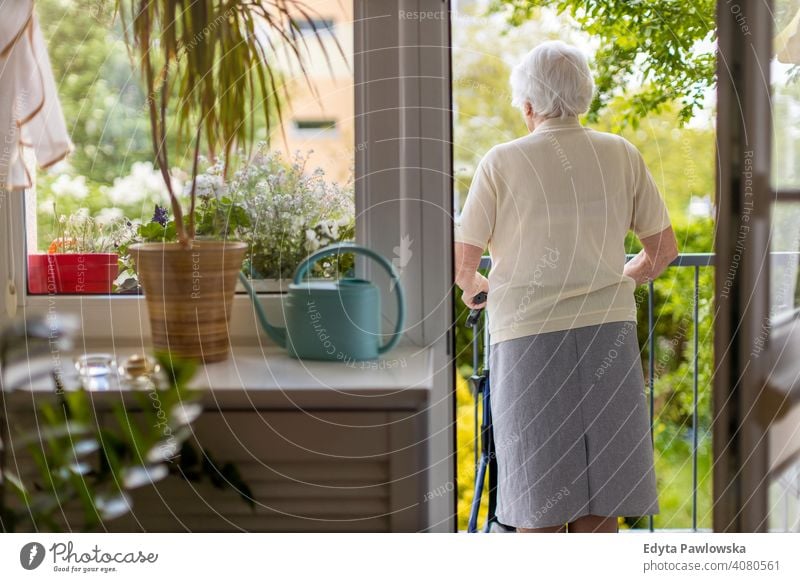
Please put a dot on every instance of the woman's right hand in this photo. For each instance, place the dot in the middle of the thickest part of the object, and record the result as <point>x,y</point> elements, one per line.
<point>472,287</point>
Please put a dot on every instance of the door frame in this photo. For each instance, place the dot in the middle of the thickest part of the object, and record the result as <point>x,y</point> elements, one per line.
<point>741,403</point>
<point>757,355</point>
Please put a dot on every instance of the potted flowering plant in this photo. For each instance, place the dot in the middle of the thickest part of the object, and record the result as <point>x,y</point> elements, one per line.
<point>280,209</point>
<point>209,69</point>
<point>82,257</point>
<point>292,213</point>
<point>216,219</point>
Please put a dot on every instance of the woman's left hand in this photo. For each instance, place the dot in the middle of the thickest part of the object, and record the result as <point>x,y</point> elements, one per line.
<point>472,287</point>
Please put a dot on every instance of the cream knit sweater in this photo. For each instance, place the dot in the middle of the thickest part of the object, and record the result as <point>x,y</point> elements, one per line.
<point>554,208</point>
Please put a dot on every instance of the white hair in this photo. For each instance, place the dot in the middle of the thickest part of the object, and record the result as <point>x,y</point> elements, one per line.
<point>555,79</point>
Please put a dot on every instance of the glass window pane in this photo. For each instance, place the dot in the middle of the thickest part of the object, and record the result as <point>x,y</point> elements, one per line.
<point>786,95</point>
<point>785,241</point>
<point>297,192</point>
<point>785,253</point>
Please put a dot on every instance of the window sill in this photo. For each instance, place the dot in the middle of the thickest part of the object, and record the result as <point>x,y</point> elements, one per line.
<point>124,318</point>
<point>267,378</point>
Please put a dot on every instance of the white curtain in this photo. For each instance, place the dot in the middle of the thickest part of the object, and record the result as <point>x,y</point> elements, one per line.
<point>30,113</point>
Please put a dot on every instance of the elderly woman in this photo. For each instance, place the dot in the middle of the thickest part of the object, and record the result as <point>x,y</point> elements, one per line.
<point>574,450</point>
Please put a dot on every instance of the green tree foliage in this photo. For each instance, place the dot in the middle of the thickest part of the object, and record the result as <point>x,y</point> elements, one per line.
<point>482,57</point>
<point>100,93</point>
<point>655,52</point>
<point>103,96</point>
<point>681,159</point>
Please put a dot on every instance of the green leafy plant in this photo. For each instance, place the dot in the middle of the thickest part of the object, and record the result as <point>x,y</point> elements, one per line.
<point>221,218</point>
<point>81,460</point>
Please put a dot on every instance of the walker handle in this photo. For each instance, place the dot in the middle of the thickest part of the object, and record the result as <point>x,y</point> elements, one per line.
<point>474,314</point>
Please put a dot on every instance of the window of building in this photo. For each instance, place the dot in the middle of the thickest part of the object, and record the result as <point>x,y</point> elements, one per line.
<point>315,128</point>
<point>310,25</point>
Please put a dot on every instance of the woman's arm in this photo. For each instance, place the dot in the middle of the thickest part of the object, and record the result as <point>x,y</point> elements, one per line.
<point>658,251</point>
<point>471,282</point>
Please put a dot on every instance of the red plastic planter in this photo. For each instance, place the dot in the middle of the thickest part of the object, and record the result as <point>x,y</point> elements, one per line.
<point>71,273</point>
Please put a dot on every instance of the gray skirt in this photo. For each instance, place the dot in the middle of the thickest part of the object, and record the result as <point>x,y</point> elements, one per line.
<point>571,426</point>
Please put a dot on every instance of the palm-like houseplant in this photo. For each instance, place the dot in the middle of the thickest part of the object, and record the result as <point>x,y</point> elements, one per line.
<point>210,67</point>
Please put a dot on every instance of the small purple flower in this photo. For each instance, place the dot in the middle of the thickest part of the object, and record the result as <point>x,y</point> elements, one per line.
<point>160,215</point>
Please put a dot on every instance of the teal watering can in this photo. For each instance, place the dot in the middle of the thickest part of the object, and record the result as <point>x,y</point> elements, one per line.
<point>333,320</point>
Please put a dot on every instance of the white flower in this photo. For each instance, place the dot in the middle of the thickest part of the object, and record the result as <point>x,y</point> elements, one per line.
<point>206,185</point>
<point>311,243</point>
<point>108,216</point>
<point>79,218</point>
<point>144,183</point>
<point>69,186</point>
<point>46,206</point>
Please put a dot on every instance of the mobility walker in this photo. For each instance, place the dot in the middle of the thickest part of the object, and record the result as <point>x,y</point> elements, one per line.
<point>486,462</point>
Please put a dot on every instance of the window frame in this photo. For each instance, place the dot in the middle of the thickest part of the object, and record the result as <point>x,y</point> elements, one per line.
<point>411,165</point>
<point>99,311</point>
<point>416,127</point>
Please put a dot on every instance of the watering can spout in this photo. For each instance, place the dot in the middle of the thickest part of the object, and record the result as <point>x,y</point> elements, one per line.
<point>277,334</point>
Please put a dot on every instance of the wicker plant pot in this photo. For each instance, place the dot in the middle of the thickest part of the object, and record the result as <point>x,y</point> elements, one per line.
<point>189,294</point>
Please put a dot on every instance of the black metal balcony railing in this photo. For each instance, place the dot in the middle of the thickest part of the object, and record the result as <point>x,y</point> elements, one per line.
<point>688,260</point>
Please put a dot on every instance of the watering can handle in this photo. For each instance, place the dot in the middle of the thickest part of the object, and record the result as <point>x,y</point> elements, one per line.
<point>345,247</point>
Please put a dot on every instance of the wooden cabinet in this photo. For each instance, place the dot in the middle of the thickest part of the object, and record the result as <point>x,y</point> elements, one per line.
<point>330,471</point>
<point>317,459</point>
